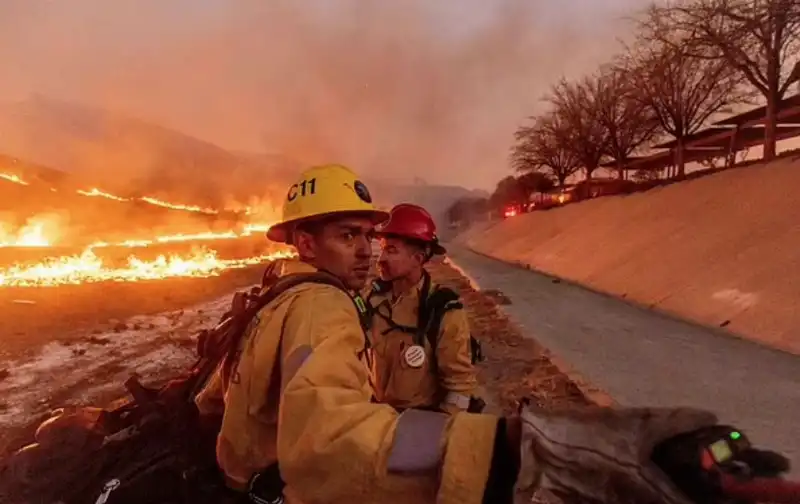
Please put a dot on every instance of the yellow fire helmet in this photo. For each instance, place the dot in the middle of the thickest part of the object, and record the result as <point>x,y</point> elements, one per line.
<point>321,191</point>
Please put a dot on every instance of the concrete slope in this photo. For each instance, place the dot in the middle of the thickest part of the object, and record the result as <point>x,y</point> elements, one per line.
<point>723,250</point>
<point>644,358</point>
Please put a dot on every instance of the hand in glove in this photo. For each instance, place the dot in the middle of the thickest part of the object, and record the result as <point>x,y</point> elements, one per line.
<point>603,455</point>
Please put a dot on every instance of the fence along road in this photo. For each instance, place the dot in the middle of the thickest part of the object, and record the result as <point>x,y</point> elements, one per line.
<point>644,358</point>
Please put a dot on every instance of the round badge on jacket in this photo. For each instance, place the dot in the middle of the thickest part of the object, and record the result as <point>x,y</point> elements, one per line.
<point>415,356</point>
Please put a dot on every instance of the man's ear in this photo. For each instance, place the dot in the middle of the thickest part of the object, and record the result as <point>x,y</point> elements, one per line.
<point>305,244</point>
<point>422,255</point>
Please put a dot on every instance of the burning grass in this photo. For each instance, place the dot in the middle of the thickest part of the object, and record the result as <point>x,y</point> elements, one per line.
<point>37,215</point>
<point>99,193</point>
<point>88,267</point>
<point>163,256</point>
<point>28,257</point>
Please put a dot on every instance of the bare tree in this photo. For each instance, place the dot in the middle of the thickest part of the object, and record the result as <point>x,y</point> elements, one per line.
<point>584,135</point>
<point>681,91</point>
<point>758,38</point>
<point>534,181</point>
<point>541,147</point>
<point>466,210</point>
<point>628,125</point>
<point>508,191</point>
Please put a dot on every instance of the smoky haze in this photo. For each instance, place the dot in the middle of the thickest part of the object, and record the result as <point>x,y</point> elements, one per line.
<point>400,89</point>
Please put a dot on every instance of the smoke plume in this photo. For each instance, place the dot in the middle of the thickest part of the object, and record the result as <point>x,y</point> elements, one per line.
<point>398,89</point>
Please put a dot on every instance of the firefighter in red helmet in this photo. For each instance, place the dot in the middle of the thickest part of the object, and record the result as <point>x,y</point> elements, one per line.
<point>424,354</point>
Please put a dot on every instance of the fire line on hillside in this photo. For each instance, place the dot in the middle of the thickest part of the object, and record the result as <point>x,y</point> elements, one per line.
<point>89,268</point>
<point>41,231</point>
<point>95,192</point>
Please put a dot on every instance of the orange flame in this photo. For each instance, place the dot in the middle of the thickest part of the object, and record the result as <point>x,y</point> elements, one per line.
<point>13,178</point>
<point>97,192</point>
<point>88,268</point>
<point>191,208</point>
<point>180,237</point>
<point>32,236</point>
<point>149,199</point>
<point>39,231</point>
<point>43,230</point>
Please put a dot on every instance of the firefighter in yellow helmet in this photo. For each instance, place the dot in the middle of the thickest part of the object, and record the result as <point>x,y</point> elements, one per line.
<point>420,334</point>
<point>299,405</point>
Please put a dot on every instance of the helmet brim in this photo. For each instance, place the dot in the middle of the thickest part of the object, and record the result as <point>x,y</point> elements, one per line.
<point>281,232</point>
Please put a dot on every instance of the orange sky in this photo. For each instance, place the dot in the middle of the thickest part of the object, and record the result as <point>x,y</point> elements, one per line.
<point>424,88</point>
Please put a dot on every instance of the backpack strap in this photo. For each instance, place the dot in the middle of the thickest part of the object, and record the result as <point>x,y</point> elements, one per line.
<point>271,273</point>
<point>437,304</point>
<point>441,301</point>
<point>381,287</point>
<point>423,315</point>
<point>321,277</point>
<point>377,286</point>
<point>280,286</point>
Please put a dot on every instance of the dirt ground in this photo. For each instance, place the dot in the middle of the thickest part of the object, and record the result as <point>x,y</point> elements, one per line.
<point>78,344</point>
<point>33,316</point>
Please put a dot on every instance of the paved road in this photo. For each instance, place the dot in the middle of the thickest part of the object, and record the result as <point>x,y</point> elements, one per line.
<point>643,358</point>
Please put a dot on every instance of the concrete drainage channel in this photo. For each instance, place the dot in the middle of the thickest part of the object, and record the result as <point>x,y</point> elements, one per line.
<point>642,358</point>
<point>591,392</point>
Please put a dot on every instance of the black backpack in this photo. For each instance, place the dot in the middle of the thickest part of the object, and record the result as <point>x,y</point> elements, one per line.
<point>438,303</point>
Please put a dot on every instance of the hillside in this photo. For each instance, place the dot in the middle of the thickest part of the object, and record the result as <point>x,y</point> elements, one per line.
<point>125,155</point>
<point>120,152</point>
<point>435,198</point>
<point>40,204</point>
<point>720,250</point>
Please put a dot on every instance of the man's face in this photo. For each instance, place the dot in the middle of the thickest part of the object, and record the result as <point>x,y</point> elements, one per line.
<point>398,259</point>
<point>342,247</point>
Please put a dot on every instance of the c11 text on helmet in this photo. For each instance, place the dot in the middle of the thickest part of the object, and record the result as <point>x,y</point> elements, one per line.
<point>306,187</point>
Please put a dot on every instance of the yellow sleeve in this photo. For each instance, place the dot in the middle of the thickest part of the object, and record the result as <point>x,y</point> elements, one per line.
<point>457,374</point>
<point>211,398</point>
<point>335,445</point>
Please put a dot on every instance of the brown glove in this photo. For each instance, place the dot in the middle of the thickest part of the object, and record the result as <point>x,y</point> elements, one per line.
<point>602,455</point>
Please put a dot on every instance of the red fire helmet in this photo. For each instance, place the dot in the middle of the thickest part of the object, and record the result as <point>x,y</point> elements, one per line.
<point>411,222</point>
